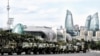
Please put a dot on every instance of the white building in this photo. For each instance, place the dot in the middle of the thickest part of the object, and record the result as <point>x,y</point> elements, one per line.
<point>47,33</point>
<point>98,34</point>
<point>41,31</point>
<point>83,33</point>
<point>61,34</point>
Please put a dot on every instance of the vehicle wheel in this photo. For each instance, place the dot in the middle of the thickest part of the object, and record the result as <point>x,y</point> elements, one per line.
<point>77,51</point>
<point>28,52</point>
<point>18,53</point>
<point>2,53</point>
<point>34,52</point>
<point>43,52</point>
<point>51,52</point>
<point>67,51</point>
<point>72,51</point>
<point>84,51</point>
<point>47,52</point>
<point>40,52</point>
<point>10,53</point>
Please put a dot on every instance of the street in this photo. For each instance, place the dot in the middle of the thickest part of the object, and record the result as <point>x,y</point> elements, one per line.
<point>69,54</point>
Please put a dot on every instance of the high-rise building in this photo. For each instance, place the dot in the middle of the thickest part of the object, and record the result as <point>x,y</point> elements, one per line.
<point>87,24</point>
<point>69,23</point>
<point>82,28</point>
<point>94,24</point>
<point>76,29</point>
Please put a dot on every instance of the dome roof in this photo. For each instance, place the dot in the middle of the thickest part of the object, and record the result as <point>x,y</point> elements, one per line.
<point>19,28</point>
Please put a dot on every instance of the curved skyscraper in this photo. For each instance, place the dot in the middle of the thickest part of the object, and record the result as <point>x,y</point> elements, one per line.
<point>87,24</point>
<point>94,24</point>
<point>69,23</point>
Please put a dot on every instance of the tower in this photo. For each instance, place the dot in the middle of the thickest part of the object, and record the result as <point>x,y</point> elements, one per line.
<point>87,24</point>
<point>8,9</point>
<point>10,20</point>
<point>94,24</point>
<point>69,23</point>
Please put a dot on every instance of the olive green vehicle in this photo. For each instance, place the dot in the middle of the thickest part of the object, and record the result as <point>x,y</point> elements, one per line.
<point>14,43</point>
<point>8,48</point>
<point>39,48</point>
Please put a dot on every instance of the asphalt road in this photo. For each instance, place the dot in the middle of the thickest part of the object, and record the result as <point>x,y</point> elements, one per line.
<point>69,54</point>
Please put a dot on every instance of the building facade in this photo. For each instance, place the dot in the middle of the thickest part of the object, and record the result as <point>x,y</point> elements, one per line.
<point>69,23</point>
<point>42,32</point>
<point>94,24</point>
<point>61,34</point>
<point>98,34</point>
<point>87,24</point>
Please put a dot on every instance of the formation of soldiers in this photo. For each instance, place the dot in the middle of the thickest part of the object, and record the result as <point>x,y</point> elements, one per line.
<point>14,43</point>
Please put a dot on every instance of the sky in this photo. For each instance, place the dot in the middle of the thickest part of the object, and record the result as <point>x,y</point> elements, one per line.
<point>47,12</point>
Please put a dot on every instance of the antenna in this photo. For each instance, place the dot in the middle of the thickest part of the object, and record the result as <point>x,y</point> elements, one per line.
<point>8,8</point>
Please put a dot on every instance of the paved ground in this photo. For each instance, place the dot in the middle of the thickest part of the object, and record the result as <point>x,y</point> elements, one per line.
<point>96,51</point>
<point>75,54</point>
<point>92,53</point>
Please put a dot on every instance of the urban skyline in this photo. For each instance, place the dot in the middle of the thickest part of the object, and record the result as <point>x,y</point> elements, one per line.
<point>51,27</point>
<point>91,24</point>
<point>47,13</point>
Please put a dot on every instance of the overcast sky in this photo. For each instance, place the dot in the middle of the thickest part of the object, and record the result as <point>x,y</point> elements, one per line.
<point>47,12</point>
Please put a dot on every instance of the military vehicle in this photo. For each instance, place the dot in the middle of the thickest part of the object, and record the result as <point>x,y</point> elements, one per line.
<point>7,46</point>
<point>17,43</point>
